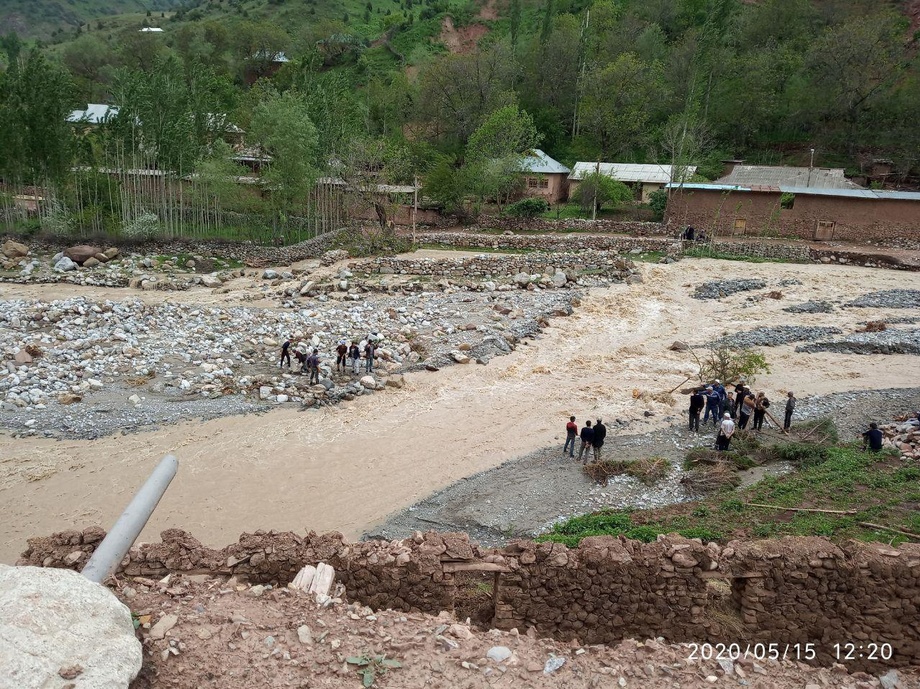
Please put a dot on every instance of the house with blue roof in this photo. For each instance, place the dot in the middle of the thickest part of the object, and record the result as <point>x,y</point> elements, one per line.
<point>810,203</point>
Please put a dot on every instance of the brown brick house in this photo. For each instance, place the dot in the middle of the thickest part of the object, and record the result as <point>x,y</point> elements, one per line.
<point>545,177</point>
<point>802,212</point>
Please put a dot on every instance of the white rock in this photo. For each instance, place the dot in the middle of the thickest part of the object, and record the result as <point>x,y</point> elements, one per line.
<point>305,635</point>
<point>281,399</point>
<point>460,357</point>
<point>265,392</point>
<point>94,384</point>
<point>65,265</point>
<point>134,399</point>
<point>369,382</point>
<point>270,274</point>
<point>559,279</point>
<point>55,618</point>
<point>163,625</point>
<point>211,281</point>
<point>499,653</point>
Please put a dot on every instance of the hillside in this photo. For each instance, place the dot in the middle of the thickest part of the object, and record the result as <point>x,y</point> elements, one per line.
<point>42,18</point>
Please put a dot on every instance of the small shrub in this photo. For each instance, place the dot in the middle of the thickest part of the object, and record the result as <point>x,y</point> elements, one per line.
<point>649,470</point>
<point>711,478</point>
<point>658,202</point>
<point>804,454</point>
<point>528,208</point>
<point>143,226</point>
<point>731,505</point>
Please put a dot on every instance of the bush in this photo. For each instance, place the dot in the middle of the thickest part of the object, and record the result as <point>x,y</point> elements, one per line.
<point>658,202</point>
<point>805,454</point>
<point>528,208</point>
<point>142,227</point>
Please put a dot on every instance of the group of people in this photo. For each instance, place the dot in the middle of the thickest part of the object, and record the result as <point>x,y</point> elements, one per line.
<point>592,440</point>
<point>724,407</point>
<point>347,355</point>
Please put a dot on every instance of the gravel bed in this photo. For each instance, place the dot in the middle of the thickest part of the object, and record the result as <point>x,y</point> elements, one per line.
<point>527,495</point>
<point>889,299</point>
<point>778,335</point>
<point>722,288</point>
<point>811,307</point>
<point>885,342</point>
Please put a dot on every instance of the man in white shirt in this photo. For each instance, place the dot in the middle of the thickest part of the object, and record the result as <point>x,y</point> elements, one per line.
<point>726,431</point>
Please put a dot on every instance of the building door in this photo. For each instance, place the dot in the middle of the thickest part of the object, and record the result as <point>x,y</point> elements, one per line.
<point>740,226</point>
<point>825,229</point>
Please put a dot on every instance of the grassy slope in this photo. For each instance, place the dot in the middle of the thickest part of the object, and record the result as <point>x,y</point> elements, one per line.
<point>38,18</point>
<point>879,486</point>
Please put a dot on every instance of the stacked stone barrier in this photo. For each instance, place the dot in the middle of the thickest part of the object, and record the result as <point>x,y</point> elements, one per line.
<point>807,597</point>
<point>602,226</point>
<point>550,243</point>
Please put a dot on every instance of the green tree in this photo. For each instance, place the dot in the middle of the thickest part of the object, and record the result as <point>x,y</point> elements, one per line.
<point>281,125</point>
<point>597,190</point>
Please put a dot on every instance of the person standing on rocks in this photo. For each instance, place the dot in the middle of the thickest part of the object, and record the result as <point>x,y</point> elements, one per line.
<point>760,410</point>
<point>740,392</point>
<point>341,352</point>
<point>720,389</point>
<point>790,407</point>
<point>730,405</point>
<point>571,433</point>
<point>747,408</point>
<point>355,355</point>
<point>369,350</point>
<point>285,353</point>
<point>726,431</point>
<point>597,440</point>
<point>313,367</point>
<point>587,438</point>
<point>712,406</point>
<point>697,402</point>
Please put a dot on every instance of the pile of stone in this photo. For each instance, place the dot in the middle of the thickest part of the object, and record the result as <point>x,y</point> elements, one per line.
<point>778,335</point>
<point>890,341</point>
<point>904,436</point>
<point>718,289</point>
<point>811,307</point>
<point>889,299</point>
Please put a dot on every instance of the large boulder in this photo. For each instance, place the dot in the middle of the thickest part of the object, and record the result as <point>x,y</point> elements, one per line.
<point>13,249</point>
<point>64,265</point>
<point>56,624</point>
<point>78,254</point>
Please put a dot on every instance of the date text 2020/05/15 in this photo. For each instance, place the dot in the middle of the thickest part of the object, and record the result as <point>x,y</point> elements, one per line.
<point>842,652</point>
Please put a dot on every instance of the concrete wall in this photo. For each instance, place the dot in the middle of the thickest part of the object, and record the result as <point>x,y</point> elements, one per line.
<point>855,219</point>
<point>786,591</point>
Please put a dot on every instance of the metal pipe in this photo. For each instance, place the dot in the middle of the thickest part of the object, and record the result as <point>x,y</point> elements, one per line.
<point>129,525</point>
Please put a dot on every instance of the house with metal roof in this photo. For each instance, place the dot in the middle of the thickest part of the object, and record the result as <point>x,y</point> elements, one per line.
<point>544,176</point>
<point>779,176</point>
<point>644,179</point>
<point>817,212</point>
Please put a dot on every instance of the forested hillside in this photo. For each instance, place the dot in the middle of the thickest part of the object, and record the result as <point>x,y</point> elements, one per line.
<point>50,18</point>
<point>436,89</point>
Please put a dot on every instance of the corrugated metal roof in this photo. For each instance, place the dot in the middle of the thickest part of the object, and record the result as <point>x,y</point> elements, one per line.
<point>95,113</point>
<point>778,176</point>
<point>877,194</point>
<point>540,163</point>
<point>634,172</point>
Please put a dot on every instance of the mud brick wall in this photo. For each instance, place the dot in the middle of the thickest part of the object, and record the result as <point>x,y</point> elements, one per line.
<point>566,243</point>
<point>483,266</point>
<point>811,591</point>
<point>402,575</point>
<point>609,589</point>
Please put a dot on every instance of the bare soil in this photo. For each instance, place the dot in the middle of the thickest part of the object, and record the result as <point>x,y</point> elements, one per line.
<point>227,636</point>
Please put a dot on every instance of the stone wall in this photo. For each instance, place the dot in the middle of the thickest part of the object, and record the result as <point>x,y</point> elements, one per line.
<point>785,592</point>
<point>604,225</point>
<point>608,264</point>
<point>565,243</point>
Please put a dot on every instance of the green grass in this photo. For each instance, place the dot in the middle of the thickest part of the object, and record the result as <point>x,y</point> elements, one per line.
<point>706,252</point>
<point>878,486</point>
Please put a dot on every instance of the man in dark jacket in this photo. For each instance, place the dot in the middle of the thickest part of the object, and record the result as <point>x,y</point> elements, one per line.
<point>597,442</point>
<point>286,353</point>
<point>790,407</point>
<point>873,439</point>
<point>712,406</point>
<point>697,402</point>
<point>587,438</point>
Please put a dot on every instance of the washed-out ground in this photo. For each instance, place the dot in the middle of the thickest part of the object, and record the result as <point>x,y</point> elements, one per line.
<point>348,467</point>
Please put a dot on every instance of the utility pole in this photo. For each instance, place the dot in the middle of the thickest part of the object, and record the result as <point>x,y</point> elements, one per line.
<point>414,205</point>
<point>811,164</point>
<point>597,179</point>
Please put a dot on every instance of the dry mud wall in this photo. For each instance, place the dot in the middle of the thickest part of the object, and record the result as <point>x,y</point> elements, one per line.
<point>785,592</point>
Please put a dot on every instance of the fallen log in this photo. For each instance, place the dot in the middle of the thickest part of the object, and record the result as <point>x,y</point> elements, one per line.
<point>870,525</point>
<point>799,509</point>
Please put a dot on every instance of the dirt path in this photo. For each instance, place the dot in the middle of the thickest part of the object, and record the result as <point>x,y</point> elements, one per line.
<point>348,467</point>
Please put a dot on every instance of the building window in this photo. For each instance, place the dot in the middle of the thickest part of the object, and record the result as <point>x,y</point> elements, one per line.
<point>537,183</point>
<point>786,201</point>
<point>740,224</point>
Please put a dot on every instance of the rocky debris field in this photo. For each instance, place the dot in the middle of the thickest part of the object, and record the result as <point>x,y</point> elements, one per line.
<point>889,299</point>
<point>777,335</point>
<point>526,496</point>
<point>811,307</point>
<point>890,341</point>
<point>66,354</point>
<point>200,631</point>
<point>717,289</point>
